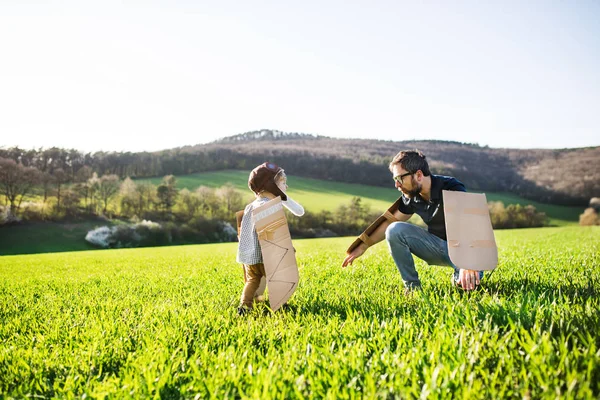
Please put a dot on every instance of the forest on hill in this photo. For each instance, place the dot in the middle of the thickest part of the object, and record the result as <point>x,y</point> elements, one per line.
<point>559,176</point>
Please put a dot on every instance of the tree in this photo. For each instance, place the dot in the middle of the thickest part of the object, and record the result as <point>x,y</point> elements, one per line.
<point>46,179</point>
<point>82,177</point>
<point>167,193</point>
<point>16,181</point>
<point>189,204</point>
<point>108,186</point>
<point>209,202</point>
<point>145,197</point>
<point>93,184</point>
<point>231,198</point>
<point>128,194</point>
<point>71,201</point>
<point>60,178</point>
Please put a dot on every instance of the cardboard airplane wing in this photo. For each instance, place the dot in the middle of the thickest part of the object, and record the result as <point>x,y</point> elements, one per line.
<point>471,242</point>
<point>278,253</point>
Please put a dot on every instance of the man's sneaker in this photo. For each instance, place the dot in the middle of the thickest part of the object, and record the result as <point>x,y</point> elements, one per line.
<point>413,288</point>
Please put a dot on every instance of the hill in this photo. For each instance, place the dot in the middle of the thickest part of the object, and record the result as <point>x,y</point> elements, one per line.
<point>560,176</point>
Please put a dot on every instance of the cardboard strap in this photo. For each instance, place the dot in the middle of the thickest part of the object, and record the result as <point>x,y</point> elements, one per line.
<point>268,232</point>
<point>390,217</point>
<point>474,243</point>
<point>366,239</point>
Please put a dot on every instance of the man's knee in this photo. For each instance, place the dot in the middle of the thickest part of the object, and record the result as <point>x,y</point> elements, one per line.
<point>397,230</point>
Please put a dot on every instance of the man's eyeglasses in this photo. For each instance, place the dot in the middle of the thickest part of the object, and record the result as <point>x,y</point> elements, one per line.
<point>399,178</point>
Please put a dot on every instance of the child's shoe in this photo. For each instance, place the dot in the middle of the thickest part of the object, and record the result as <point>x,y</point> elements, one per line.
<point>243,310</point>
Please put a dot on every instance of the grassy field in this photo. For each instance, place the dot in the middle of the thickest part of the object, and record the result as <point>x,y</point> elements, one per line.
<point>316,195</point>
<point>161,322</point>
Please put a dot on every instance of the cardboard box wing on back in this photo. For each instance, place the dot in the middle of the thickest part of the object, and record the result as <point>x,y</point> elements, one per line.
<point>278,253</point>
<point>471,242</point>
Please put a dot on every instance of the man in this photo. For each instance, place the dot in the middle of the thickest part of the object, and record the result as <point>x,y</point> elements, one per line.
<point>421,194</point>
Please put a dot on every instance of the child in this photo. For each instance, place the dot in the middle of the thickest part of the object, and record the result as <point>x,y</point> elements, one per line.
<point>267,181</point>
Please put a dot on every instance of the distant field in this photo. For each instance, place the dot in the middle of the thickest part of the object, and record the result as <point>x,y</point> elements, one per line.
<point>161,323</point>
<point>316,195</point>
<point>46,237</point>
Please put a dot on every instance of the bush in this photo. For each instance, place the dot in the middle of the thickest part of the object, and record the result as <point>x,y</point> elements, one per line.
<point>515,216</point>
<point>589,217</point>
<point>6,217</point>
<point>148,233</point>
<point>145,233</point>
<point>204,230</point>
<point>100,237</point>
<point>32,211</point>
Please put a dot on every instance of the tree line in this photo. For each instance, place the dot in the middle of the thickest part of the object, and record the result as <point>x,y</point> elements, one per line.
<point>202,215</point>
<point>533,174</point>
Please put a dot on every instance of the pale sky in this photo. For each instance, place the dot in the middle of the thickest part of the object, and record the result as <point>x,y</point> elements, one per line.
<point>151,75</point>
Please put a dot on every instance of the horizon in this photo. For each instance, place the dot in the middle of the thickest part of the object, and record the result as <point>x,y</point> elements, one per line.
<point>174,74</point>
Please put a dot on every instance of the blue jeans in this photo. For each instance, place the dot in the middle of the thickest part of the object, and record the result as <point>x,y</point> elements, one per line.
<point>406,239</point>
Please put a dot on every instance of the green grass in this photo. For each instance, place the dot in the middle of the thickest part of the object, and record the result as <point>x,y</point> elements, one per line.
<point>161,322</point>
<point>316,195</point>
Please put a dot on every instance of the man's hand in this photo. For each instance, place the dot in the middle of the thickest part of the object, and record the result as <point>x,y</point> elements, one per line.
<point>468,279</point>
<point>357,252</point>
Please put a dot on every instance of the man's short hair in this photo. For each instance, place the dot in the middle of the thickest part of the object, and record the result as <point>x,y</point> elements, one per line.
<point>411,161</point>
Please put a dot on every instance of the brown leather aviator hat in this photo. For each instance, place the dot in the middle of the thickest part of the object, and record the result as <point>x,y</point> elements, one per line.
<point>263,178</point>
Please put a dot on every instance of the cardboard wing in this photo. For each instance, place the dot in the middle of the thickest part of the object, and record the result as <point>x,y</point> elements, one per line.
<point>471,242</point>
<point>365,237</point>
<point>277,251</point>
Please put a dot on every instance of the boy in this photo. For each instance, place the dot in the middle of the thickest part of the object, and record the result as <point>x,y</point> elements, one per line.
<point>267,181</point>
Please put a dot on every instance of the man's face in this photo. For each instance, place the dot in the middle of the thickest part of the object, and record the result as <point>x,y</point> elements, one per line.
<point>405,182</point>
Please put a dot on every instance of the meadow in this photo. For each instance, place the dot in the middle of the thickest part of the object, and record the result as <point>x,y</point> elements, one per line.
<point>317,195</point>
<point>161,323</point>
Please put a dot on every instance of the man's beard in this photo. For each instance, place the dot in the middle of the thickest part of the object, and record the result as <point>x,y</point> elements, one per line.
<point>414,191</point>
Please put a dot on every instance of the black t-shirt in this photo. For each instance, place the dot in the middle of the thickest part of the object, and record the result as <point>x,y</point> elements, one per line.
<point>432,211</point>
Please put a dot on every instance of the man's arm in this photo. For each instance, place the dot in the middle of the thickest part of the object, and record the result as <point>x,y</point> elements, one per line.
<point>376,236</point>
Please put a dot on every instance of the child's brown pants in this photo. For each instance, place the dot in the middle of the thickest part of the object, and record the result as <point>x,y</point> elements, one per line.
<point>252,276</point>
